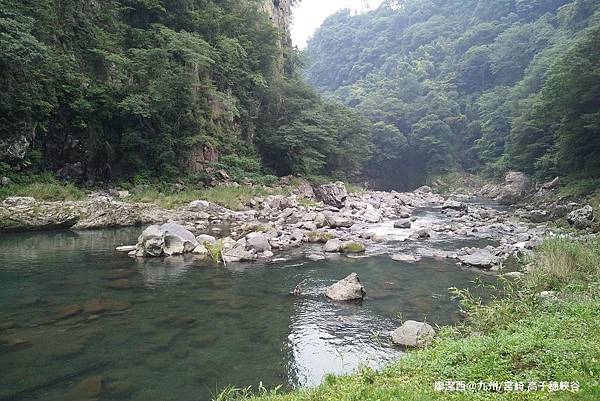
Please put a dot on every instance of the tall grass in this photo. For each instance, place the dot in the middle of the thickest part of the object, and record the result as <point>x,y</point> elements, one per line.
<point>233,198</point>
<point>561,263</point>
<point>43,191</point>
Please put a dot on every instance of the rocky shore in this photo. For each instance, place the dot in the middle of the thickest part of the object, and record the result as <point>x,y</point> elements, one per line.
<point>326,216</point>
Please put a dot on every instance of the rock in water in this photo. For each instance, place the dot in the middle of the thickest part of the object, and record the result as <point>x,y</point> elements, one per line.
<point>169,239</point>
<point>454,205</point>
<point>581,218</point>
<point>86,390</point>
<point>405,258</point>
<point>332,194</point>
<point>403,224</point>
<point>178,239</point>
<point>347,289</point>
<point>413,334</point>
<point>258,242</point>
<point>151,242</point>
<point>482,258</point>
<point>333,245</point>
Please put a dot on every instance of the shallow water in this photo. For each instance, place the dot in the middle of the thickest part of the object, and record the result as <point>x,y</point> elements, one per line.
<point>180,330</point>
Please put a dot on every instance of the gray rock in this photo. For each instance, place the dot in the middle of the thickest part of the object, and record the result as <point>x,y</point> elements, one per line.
<point>126,248</point>
<point>348,289</point>
<point>5,181</point>
<point>403,224</point>
<point>333,245</point>
<point>178,239</point>
<point>304,189</point>
<point>338,221</point>
<point>516,186</point>
<point>581,218</point>
<point>332,194</point>
<point>454,205</point>
<point>405,258</point>
<point>202,238</point>
<point>482,258</point>
<point>315,257</point>
<point>258,242</point>
<point>538,216</point>
<point>238,254</point>
<point>169,239</point>
<point>555,183</point>
<point>423,190</point>
<point>151,242</point>
<point>413,334</point>
<point>420,234</point>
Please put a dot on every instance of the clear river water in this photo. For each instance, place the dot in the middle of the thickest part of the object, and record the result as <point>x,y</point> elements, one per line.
<point>179,329</point>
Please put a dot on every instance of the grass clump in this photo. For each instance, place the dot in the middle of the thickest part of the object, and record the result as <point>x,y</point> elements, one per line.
<point>353,247</point>
<point>233,198</point>
<point>517,337</point>
<point>319,237</point>
<point>215,251</point>
<point>44,187</point>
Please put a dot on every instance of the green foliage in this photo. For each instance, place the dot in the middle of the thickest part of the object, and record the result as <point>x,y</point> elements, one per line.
<point>44,187</point>
<point>473,85</point>
<point>234,198</point>
<point>130,87</point>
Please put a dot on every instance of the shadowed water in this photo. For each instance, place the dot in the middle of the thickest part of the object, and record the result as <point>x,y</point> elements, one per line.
<point>177,329</point>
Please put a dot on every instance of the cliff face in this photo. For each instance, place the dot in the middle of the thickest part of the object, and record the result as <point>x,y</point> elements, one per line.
<point>280,12</point>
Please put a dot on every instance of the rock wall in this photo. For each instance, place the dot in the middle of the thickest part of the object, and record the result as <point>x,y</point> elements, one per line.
<point>280,12</point>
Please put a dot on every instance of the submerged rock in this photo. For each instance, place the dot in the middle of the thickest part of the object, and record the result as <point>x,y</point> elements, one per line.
<point>413,334</point>
<point>405,258</point>
<point>65,312</point>
<point>86,390</point>
<point>348,289</point>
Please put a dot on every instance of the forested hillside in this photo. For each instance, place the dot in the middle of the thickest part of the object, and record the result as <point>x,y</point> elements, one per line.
<point>469,84</point>
<point>116,89</point>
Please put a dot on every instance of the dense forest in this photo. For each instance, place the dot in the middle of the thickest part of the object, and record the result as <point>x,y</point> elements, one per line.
<point>479,85</point>
<point>117,89</point>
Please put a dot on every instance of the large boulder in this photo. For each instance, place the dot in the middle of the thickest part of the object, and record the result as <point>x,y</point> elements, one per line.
<point>237,254</point>
<point>332,194</point>
<point>339,221</point>
<point>516,186</point>
<point>168,239</point>
<point>151,242</point>
<point>178,239</point>
<point>304,189</point>
<point>413,334</point>
<point>347,289</point>
<point>581,218</point>
<point>258,242</point>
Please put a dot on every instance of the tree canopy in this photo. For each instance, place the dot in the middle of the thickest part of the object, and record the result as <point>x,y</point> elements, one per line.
<point>476,84</point>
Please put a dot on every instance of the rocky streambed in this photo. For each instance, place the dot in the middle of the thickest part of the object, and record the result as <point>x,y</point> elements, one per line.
<point>81,319</point>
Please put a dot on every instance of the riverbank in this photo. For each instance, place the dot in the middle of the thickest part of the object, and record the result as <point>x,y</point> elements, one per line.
<point>542,334</point>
